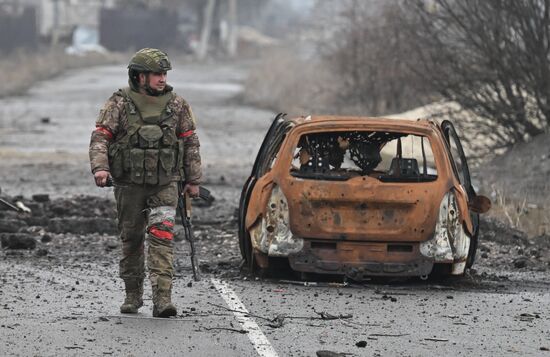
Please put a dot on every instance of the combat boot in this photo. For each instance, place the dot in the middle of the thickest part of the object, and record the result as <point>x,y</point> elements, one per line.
<point>134,296</point>
<point>162,299</point>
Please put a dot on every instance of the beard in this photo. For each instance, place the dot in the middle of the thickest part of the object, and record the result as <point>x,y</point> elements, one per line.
<point>153,91</point>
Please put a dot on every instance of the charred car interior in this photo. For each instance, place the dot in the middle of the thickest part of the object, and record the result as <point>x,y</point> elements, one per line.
<point>360,197</point>
<point>343,155</point>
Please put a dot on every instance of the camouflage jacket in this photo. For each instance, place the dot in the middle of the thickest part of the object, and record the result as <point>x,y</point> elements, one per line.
<point>112,123</point>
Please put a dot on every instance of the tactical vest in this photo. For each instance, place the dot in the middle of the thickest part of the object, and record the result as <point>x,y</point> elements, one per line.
<point>149,152</point>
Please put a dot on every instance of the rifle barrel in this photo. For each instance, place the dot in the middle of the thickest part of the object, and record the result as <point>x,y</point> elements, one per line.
<point>9,205</point>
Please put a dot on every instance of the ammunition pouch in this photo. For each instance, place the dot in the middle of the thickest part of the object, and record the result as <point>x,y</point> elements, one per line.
<point>150,153</point>
<point>115,161</point>
<point>149,136</point>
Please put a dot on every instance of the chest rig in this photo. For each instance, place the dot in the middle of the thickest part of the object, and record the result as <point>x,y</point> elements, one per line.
<point>149,153</point>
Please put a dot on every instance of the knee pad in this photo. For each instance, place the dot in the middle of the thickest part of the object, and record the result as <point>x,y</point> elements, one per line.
<point>161,223</point>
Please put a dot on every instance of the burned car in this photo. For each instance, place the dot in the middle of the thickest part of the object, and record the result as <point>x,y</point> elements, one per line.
<point>360,197</point>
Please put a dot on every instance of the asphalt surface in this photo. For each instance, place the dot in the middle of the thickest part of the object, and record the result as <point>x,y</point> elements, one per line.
<point>62,298</point>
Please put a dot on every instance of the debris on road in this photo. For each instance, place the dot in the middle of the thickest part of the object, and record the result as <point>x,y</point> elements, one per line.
<point>241,331</point>
<point>388,297</point>
<point>74,347</point>
<point>278,321</point>
<point>528,317</point>
<point>388,334</point>
<point>41,197</point>
<point>315,283</point>
<point>17,241</point>
<point>326,316</point>
<point>11,225</point>
<point>435,339</point>
<point>324,353</point>
<point>520,262</point>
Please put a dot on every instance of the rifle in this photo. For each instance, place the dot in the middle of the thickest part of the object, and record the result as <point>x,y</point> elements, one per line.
<point>184,209</point>
<point>9,205</point>
<point>18,207</point>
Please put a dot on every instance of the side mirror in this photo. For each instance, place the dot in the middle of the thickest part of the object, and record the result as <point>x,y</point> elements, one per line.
<point>480,204</point>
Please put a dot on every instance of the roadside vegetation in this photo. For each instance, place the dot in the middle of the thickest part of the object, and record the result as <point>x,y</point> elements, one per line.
<point>21,69</point>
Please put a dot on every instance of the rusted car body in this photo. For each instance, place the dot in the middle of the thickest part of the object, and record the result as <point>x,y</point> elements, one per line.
<point>337,195</point>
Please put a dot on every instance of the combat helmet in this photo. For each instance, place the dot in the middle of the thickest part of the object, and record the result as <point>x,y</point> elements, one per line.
<point>147,60</point>
<point>150,60</point>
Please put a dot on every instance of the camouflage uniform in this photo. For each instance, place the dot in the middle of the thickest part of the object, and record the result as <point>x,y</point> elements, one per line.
<point>147,143</point>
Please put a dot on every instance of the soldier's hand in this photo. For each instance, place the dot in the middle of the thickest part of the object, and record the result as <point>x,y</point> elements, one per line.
<point>192,190</point>
<point>101,178</point>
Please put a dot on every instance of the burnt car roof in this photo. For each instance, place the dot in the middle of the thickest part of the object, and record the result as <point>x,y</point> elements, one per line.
<point>314,119</point>
<point>314,122</point>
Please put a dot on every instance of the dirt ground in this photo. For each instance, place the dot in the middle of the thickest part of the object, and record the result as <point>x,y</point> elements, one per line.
<point>58,265</point>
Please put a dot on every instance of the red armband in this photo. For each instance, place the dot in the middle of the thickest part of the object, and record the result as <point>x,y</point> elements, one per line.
<point>105,131</point>
<point>186,134</point>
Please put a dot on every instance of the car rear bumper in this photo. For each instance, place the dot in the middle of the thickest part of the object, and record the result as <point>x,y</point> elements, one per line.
<point>359,260</point>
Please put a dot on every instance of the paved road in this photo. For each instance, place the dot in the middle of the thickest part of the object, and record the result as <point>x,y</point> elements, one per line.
<point>73,310</point>
<point>49,128</point>
<point>66,303</point>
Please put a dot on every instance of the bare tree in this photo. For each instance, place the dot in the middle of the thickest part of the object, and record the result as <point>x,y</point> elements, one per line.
<point>369,52</point>
<point>490,56</point>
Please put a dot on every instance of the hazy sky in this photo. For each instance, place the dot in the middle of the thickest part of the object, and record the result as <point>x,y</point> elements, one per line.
<point>301,5</point>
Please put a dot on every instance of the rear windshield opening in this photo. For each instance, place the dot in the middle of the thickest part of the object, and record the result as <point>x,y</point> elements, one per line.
<point>389,157</point>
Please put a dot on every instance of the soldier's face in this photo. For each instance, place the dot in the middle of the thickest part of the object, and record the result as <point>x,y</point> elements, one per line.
<point>157,81</point>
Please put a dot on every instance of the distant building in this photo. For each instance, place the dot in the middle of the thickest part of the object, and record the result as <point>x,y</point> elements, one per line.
<point>58,18</point>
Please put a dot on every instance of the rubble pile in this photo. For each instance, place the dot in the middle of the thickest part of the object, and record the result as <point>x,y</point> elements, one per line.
<point>63,226</point>
<point>38,219</point>
<point>86,225</point>
<point>84,228</point>
<point>503,246</point>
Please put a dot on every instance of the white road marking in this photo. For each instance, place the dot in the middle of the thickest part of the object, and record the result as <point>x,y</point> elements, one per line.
<point>255,334</point>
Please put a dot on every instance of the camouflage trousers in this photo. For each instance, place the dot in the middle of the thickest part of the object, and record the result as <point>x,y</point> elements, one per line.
<point>147,211</point>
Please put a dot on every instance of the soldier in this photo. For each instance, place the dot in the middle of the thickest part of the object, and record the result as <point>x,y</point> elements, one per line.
<point>145,141</point>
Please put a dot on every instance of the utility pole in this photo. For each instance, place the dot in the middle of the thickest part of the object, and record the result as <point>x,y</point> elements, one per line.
<point>206,29</point>
<point>233,29</point>
<point>55,24</point>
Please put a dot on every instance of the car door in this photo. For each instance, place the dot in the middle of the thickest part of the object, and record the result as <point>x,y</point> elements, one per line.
<point>269,148</point>
<point>460,166</point>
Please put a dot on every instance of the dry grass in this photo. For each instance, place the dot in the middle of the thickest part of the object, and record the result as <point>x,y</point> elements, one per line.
<point>519,212</point>
<point>20,70</point>
<point>283,82</point>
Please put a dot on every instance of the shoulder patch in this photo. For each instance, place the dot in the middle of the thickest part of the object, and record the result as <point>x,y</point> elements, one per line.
<point>111,110</point>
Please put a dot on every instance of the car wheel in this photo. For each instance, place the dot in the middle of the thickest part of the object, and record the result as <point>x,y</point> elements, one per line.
<point>247,253</point>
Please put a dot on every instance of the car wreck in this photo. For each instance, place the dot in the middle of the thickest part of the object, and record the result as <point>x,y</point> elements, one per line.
<point>360,197</point>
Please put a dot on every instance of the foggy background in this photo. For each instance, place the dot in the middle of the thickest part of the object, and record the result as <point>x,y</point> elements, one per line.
<point>118,25</point>
<point>483,64</point>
